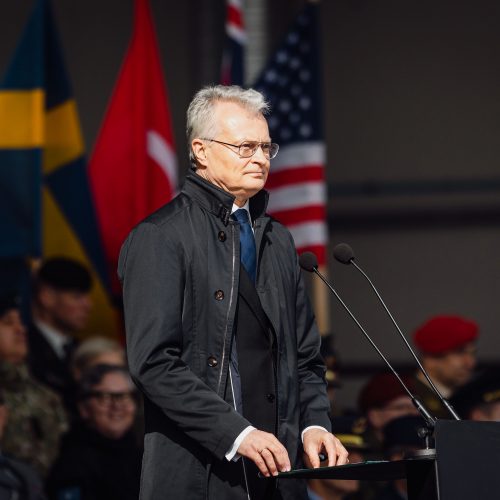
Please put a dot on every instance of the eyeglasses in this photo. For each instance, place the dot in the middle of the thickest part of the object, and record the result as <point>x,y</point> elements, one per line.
<point>104,398</point>
<point>249,148</point>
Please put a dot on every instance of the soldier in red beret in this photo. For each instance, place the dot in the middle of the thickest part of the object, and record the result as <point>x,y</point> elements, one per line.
<point>381,400</point>
<point>447,345</point>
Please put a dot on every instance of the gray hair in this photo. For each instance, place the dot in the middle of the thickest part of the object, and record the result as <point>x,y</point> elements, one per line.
<point>92,348</point>
<point>200,114</point>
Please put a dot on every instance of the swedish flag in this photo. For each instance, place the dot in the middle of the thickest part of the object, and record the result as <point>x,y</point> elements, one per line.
<point>45,202</point>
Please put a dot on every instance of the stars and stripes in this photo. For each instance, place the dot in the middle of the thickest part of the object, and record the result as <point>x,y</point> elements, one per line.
<point>296,184</point>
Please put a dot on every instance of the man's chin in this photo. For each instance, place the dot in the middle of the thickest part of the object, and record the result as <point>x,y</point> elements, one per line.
<point>252,190</point>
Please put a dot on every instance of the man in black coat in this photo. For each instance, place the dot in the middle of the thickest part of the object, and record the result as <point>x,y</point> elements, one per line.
<point>221,337</point>
<point>61,308</point>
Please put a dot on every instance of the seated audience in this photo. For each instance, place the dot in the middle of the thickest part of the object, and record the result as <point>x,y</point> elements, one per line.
<point>381,400</point>
<point>100,458</point>
<point>479,399</point>
<point>448,353</point>
<point>61,309</point>
<point>350,430</point>
<point>36,417</point>
<point>401,437</point>
<point>96,351</point>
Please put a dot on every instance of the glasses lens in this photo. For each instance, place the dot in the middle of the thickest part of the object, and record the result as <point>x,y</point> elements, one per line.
<point>247,149</point>
<point>107,398</point>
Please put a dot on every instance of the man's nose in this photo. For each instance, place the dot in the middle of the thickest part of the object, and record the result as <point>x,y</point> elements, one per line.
<point>260,156</point>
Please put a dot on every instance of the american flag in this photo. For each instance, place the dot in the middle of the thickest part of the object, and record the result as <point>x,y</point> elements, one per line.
<point>232,59</point>
<point>296,184</point>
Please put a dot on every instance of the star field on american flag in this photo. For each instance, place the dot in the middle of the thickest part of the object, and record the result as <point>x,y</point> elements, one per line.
<point>291,83</point>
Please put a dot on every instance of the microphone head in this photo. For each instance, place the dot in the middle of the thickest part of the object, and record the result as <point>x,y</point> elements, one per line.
<point>308,261</point>
<point>343,253</point>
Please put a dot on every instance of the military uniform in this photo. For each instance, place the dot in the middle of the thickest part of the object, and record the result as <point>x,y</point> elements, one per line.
<point>36,418</point>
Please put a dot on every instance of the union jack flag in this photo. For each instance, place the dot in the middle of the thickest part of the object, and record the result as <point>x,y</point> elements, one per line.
<point>232,58</point>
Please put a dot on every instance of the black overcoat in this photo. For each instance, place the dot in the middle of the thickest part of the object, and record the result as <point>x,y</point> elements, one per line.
<point>180,273</point>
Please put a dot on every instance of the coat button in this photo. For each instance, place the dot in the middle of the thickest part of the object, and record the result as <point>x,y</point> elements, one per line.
<point>221,236</point>
<point>212,362</point>
<point>219,295</point>
<point>270,397</point>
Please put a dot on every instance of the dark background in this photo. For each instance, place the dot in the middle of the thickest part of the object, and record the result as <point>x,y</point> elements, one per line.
<point>412,123</point>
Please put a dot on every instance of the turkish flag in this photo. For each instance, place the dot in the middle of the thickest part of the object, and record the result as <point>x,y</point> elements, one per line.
<point>133,168</point>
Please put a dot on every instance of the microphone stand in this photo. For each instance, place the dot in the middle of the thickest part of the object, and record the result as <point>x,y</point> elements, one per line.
<point>428,418</point>
<point>436,391</point>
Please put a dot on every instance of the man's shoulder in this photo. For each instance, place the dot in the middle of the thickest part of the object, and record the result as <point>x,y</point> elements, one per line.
<point>169,217</point>
<point>169,212</point>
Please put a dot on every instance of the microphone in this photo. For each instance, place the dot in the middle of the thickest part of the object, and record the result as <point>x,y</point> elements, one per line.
<point>345,255</point>
<point>309,262</point>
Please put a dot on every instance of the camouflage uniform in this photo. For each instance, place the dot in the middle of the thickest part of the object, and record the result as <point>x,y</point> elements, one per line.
<point>36,418</point>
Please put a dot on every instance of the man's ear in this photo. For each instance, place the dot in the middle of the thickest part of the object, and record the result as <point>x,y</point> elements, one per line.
<point>199,152</point>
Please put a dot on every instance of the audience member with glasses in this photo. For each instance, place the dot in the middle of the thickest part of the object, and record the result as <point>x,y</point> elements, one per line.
<point>100,458</point>
<point>221,337</point>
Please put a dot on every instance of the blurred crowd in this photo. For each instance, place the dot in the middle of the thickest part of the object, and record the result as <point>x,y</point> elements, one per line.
<point>71,418</point>
<point>386,424</point>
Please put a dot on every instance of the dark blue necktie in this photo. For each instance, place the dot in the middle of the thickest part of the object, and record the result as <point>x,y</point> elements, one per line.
<point>248,254</point>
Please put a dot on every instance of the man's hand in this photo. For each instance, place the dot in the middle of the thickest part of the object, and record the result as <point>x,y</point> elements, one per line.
<point>317,441</point>
<point>268,454</point>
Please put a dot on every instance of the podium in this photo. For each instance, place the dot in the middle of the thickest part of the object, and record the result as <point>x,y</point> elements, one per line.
<point>466,465</point>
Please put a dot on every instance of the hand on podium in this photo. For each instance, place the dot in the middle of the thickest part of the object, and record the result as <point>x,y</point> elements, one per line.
<point>318,441</point>
<point>268,454</point>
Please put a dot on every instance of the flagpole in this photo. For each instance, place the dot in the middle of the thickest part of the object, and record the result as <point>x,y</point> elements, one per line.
<point>320,303</point>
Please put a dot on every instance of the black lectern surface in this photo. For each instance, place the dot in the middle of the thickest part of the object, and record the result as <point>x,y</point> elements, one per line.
<point>466,466</point>
<point>364,471</point>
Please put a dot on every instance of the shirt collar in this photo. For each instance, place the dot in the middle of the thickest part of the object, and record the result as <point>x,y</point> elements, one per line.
<point>56,339</point>
<point>246,207</point>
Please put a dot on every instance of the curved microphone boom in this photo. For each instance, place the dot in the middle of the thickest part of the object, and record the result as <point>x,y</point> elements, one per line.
<point>309,262</point>
<point>344,254</point>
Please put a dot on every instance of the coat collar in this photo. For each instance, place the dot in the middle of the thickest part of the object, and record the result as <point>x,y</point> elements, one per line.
<point>218,201</point>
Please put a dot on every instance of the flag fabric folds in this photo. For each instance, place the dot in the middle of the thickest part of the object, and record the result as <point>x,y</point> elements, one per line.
<point>133,168</point>
<point>45,199</point>
<point>291,83</point>
<point>233,56</point>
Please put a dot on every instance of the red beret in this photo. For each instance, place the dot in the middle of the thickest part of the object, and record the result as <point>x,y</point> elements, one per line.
<point>445,333</point>
<point>381,389</point>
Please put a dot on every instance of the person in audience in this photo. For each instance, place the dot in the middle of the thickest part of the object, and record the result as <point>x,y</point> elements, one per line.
<point>447,345</point>
<point>96,351</point>
<point>18,480</point>
<point>350,430</point>
<point>61,308</point>
<point>401,437</point>
<point>100,458</point>
<point>381,400</point>
<point>479,399</point>
<point>36,417</point>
